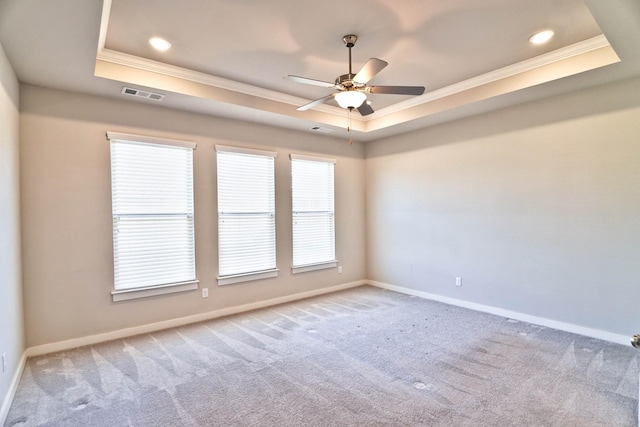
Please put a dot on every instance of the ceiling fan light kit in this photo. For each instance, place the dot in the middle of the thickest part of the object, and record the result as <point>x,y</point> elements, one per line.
<point>352,88</point>
<point>350,99</point>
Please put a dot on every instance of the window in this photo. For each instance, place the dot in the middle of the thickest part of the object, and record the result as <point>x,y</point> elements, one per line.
<point>152,206</point>
<point>313,213</point>
<point>246,215</point>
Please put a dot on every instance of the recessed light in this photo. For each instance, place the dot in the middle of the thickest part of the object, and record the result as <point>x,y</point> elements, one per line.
<point>159,44</point>
<point>541,37</point>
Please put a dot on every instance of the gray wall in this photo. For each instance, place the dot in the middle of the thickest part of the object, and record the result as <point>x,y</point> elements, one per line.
<point>66,199</point>
<point>536,208</point>
<point>11,323</point>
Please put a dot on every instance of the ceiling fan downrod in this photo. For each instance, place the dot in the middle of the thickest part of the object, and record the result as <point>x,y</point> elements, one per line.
<point>350,41</point>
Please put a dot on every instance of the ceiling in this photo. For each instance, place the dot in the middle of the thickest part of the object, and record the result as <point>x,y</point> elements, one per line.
<point>229,57</point>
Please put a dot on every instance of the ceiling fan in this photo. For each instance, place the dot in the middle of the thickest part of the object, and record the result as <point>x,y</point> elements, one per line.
<point>352,88</point>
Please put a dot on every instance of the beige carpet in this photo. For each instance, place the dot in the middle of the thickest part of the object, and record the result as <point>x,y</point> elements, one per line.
<point>362,357</point>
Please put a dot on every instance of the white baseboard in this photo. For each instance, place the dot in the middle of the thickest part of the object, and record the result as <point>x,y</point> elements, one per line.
<point>8,399</point>
<point>542,321</point>
<point>181,321</point>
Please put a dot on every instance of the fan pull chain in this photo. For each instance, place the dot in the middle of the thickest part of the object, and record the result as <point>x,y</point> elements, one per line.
<point>349,126</point>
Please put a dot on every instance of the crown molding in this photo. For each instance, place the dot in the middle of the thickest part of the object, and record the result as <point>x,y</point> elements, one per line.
<point>104,25</point>
<point>143,64</point>
<point>521,67</point>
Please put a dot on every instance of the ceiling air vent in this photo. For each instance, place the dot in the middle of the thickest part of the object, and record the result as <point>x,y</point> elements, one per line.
<point>321,130</point>
<point>142,93</point>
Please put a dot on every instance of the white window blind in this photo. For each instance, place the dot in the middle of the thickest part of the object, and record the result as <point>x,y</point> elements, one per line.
<point>246,213</point>
<point>152,205</point>
<point>312,183</point>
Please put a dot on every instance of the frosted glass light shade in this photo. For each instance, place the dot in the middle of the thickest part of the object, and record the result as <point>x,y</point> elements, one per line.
<point>350,99</point>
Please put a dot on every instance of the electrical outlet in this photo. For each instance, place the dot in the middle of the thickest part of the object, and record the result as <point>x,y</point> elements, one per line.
<point>458,281</point>
<point>205,292</point>
<point>339,269</point>
<point>4,362</point>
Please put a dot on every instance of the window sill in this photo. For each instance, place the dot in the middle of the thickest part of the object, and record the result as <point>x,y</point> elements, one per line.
<point>238,278</point>
<point>313,267</point>
<point>127,294</point>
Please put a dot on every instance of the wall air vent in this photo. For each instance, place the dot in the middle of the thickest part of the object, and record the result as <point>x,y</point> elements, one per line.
<point>142,93</point>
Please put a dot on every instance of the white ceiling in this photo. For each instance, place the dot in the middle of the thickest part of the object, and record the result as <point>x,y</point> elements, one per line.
<point>229,57</point>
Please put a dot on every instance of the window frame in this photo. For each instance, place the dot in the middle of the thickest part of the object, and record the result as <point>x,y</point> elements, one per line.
<point>190,283</point>
<point>320,264</point>
<point>248,275</point>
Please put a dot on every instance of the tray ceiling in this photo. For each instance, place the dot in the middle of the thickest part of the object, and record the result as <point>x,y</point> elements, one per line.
<point>228,58</point>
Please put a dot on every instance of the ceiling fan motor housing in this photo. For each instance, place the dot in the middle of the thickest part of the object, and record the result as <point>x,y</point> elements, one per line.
<point>345,82</point>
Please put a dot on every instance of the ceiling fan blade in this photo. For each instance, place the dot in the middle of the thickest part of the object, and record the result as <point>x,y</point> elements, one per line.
<point>307,81</point>
<point>365,109</point>
<point>316,102</point>
<point>397,90</point>
<point>370,69</point>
